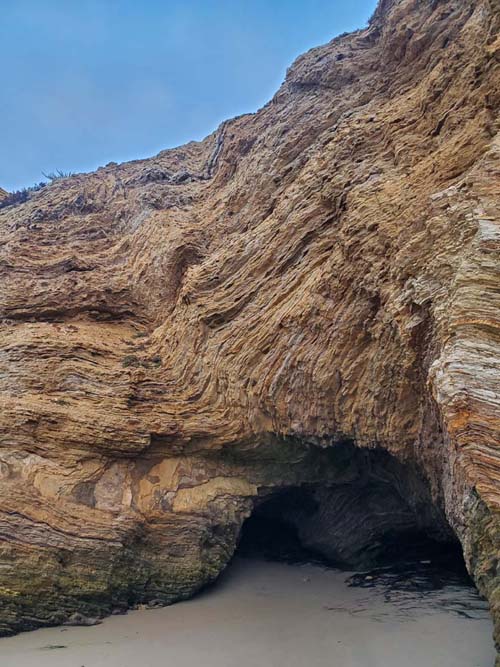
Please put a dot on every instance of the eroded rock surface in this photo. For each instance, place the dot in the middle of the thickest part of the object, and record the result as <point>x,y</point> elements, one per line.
<point>184,335</point>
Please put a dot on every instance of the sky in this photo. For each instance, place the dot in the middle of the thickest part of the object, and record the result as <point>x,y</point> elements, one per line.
<point>86,82</point>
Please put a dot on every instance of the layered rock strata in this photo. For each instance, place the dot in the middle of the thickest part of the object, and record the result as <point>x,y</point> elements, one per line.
<point>184,335</point>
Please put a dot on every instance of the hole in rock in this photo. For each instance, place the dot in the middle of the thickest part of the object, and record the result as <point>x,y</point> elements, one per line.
<point>383,522</point>
<point>271,533</point>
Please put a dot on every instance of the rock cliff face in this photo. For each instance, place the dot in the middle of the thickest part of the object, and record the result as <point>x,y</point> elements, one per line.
<point>308,298</point>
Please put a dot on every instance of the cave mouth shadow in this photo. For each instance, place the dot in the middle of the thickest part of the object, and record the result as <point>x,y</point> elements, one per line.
<point>282,527</point>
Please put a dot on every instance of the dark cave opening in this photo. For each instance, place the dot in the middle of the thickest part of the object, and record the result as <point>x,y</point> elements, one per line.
<point>378,536</point>
<point>270,533</point>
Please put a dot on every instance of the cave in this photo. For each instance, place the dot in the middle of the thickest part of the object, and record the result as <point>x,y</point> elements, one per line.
<point>383,518</point>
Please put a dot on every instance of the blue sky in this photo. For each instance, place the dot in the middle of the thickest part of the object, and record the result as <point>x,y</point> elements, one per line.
<point>86,82</point>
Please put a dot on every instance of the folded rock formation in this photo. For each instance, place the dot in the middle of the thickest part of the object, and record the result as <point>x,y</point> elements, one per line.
<point>307,298</point>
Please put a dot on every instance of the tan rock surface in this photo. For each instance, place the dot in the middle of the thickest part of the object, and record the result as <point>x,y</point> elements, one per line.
<point>183,334</point>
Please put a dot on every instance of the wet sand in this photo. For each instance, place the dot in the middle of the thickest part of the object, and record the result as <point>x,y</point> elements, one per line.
<point>276,615</point>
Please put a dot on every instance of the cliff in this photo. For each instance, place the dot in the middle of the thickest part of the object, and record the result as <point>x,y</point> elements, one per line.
<point>308,296</point>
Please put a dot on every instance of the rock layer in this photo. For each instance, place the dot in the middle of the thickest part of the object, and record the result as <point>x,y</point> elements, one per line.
<point>186,334</point>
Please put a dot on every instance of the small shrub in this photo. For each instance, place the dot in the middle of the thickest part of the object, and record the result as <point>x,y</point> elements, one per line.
<point>57,174</point>
<point>20,196</point>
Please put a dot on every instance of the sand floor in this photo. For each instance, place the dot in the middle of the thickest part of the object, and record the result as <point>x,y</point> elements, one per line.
<point>276,615</point>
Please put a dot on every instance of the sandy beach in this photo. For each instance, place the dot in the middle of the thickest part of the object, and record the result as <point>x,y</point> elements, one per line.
<point>274,614</point>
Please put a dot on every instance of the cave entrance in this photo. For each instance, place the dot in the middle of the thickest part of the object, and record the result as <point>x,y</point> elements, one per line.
<point>271,532</point>
<point>365,525</point>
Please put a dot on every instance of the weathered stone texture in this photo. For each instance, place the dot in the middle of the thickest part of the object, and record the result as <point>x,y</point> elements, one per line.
<point>183,334</point>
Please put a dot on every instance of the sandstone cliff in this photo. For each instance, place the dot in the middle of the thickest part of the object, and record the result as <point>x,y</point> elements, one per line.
<point>309,295</point>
